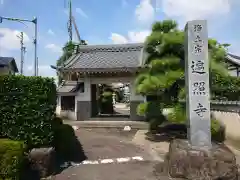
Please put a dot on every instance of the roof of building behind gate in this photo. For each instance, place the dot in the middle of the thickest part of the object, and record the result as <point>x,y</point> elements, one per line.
<point>69,87</point>
<point>121,57</point>
<point>233,59</point>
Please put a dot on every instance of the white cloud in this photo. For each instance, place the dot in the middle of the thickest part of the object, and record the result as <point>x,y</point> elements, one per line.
<point>118,39</point>
<point>50,31</point>
<point>144,12</point>
<point>9,39</point>
<point>132,37</point>
<point>54,48</point>
<point>138,36</point>
<point>43,70</point>
<point>194,9</point>
<point>81,12</point>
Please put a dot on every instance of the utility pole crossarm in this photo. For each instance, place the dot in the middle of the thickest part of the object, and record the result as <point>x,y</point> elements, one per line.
<point>34,21</point>
<point>17,19</point>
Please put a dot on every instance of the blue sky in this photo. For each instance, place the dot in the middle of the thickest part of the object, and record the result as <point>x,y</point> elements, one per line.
<point>106,22</point>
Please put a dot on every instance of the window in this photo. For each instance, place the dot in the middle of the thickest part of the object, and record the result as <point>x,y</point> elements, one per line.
<point>68,103</point>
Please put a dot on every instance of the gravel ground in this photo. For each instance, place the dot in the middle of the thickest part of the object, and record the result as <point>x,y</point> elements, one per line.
<point>112,143</point>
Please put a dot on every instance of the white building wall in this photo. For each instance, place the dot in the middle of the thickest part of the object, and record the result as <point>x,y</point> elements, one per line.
<point>86,95</point>
<point>233,72</point>
<point>58,109</point>
<point>133,95</point>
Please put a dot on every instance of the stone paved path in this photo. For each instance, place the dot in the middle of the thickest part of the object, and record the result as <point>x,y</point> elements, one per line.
<point>112,156</point>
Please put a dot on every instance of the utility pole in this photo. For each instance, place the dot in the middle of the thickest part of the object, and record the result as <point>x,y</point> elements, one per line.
<point>23,50</point>
<point>37,66</point>
<point>70,20</point>
<point>34,21</point>
<point>35,48</point>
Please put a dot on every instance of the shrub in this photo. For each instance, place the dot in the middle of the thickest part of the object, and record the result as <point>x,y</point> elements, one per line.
<point>57,121</point>
<point>225,88</point>
<point>153,113</point>
<point>141,109</point>
<point>11,159</point>
<point>27,106</point>
<point>222,88</point>
<point>106,103</point>
<point>218,131</point>
<point>154,124</point>
<point>178,116</point>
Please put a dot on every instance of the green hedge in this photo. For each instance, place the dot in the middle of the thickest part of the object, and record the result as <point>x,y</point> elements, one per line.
<point>225,88</point>
<point>222,88</point>
<point>11,159</point>
<point>27,106</point>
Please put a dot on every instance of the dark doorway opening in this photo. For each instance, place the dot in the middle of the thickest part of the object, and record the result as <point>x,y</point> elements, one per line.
<point>106,102</point>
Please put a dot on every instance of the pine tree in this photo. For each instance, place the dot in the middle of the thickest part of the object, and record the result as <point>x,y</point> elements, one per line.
<point>162,82</point>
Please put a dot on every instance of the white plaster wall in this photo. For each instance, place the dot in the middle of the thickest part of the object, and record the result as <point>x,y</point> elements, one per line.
<point>109,80</point>
<point>233,72</point>
<point>133,95</point>
<point>86,95</point>
<point>63,113</point>
<point>68,114</point>
<point>58,109</point>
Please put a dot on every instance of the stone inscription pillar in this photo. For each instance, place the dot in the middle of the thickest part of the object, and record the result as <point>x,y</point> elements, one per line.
<point>197,83</point>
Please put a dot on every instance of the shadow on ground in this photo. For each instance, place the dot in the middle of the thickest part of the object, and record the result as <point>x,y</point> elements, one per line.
<point>75,155</point>
<point>167,133</point>
<point>69,151</point>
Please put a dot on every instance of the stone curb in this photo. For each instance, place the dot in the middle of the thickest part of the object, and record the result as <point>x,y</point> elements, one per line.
<point>109,124</point>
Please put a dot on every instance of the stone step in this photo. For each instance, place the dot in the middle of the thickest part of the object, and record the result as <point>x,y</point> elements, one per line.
<point>108,124</point>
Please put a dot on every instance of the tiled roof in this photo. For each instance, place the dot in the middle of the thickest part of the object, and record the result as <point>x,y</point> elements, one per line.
<point>68,86</point>
<point>106,58</point>
<point>121,57</point>
<point>233,58</point>
<point>6,61</point>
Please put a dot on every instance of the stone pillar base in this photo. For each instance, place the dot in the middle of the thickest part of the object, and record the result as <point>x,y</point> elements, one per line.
<point>133,111</point>
<point>186,162</point>
<point>83,110</point>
